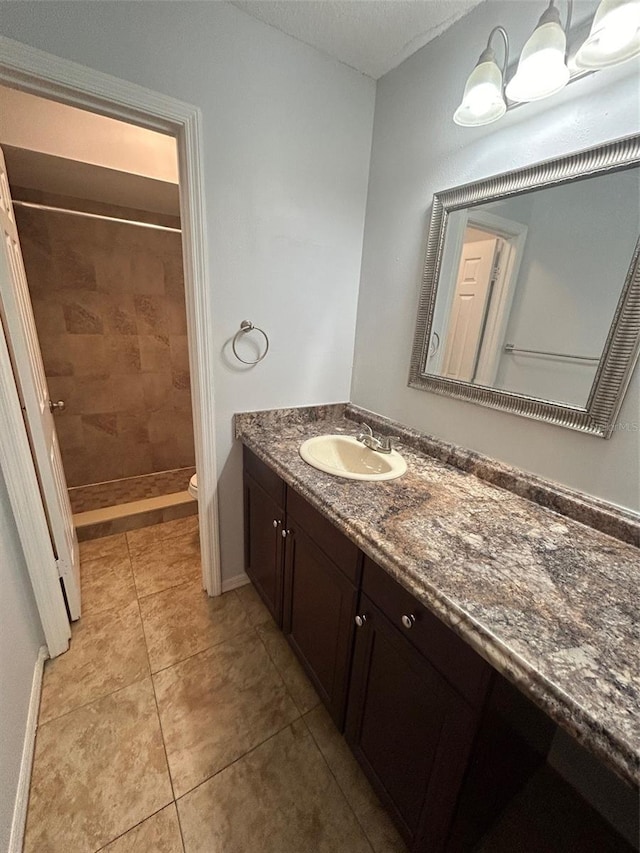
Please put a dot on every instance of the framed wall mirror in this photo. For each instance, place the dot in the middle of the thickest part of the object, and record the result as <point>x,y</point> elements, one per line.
<point>530,299</point>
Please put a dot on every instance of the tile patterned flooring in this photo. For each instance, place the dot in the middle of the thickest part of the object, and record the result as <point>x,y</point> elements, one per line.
<point>177,723</point>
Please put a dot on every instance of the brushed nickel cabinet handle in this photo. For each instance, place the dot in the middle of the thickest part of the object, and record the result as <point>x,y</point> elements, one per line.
<point>408,621</point>
<point>361,619</point>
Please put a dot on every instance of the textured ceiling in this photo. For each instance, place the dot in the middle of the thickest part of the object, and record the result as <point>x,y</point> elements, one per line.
<point>372,36</point>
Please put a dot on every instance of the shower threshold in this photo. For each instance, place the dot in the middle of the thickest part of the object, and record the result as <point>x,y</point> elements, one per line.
<point>95,523</point>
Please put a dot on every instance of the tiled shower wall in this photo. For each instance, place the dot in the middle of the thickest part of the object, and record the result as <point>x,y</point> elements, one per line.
<point>108,300</point>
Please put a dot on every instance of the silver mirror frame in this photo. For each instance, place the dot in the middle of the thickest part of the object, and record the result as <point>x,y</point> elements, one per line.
<point>623,341</point>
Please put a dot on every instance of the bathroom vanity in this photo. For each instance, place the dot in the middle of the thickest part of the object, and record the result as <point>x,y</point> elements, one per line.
<point>448,625</point>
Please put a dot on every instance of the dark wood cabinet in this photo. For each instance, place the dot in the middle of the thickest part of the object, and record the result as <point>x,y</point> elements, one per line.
<point>410,731</point>
<point>446,742</point>
<point>264,521</point>
<point>319,610</point>
<point>308,574</point>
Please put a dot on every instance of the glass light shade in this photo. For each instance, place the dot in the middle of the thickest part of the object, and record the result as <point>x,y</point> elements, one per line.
<point>542,70</point>
<point>614,36</point>
<point>482,101</point>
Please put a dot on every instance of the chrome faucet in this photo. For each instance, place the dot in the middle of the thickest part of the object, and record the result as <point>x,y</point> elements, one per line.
<point>380,445</point>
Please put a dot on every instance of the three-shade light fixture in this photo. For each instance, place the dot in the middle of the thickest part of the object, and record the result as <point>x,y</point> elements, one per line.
<point>542,68</point>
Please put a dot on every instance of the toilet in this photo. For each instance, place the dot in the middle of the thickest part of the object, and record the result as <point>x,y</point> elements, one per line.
<point>193,487</point>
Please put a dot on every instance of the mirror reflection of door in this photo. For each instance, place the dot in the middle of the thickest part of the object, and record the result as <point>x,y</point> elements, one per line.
<point>482,266</point>
<point>476,278</point>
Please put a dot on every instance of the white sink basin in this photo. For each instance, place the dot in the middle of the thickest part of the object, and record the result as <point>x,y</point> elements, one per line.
<point>344,456</point>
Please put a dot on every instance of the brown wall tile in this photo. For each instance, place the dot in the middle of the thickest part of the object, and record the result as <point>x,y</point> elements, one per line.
<point>179,353</point>
<point>73,270</point>
<point>123,353</point>
<point>120,315</point>
<point>128,392</point>
<point>87,354</point>
<point>147,271</point>
<point>49,316</point>
<point>176,314</point>
<point>157,389</point>
<point>69,429</point>
<point>155,355</point>
<point>110,312</point>
<point>55,355</point>
<point>83,312</point>
<point>151,315</point>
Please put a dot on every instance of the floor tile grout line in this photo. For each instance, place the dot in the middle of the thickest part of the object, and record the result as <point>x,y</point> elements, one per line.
<point>135,826</point>
<point>163,589</point>
<point>273,661</point>
<point>253,629</point>
<point>155,699</point>
<point>164,743</point>
<point>40,723</point>
<point>184,846</point>
<point>299,716</point>
<point>337,781</point>
<point>118,606</point>
<point>164,538</point>
<point>95,699</point>
<point>149,674</point>
<point>182,583</point>
<point>239,758</point>
<point>200,651</point>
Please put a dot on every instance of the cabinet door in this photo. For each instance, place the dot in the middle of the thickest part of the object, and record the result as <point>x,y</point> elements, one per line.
<point>319,610</point>
<point>263,545</point>
<point>410,732</point>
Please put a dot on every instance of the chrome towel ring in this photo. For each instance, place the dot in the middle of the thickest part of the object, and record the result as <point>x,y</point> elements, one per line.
<point>245,327</point>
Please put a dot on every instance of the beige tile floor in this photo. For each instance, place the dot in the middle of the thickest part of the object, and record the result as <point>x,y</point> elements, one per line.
<point>177,722</point>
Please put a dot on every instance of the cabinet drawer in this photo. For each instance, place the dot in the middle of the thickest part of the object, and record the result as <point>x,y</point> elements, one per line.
<point>457,662</point>
<point>264,476</point>
<point>334,543</point>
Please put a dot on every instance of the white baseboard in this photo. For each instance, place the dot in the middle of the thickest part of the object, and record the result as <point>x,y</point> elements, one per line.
<point>233,583</point>
<point>22,795</point>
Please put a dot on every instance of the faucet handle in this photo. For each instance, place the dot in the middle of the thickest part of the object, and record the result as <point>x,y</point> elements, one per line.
<point>385,442</point>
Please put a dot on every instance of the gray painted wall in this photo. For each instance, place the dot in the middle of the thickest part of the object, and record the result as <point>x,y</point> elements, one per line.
<point>418,150</point>
<point>287,138</point>
<point>20,639</point>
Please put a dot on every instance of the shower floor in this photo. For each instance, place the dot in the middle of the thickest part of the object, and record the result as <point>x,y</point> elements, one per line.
<point>102,509</point>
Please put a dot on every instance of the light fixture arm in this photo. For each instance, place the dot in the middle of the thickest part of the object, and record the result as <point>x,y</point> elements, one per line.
<point>567,26</point>
<point>505,39</point>
<point>551,14</point>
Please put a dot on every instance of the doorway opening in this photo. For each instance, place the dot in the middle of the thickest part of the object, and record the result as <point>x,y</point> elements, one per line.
<point>102,252</point>
<point>479,302</point>
<point>28,71</point>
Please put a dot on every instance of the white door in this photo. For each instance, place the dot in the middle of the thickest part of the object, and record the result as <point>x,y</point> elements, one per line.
<point>468,309</point>
<point>20,330</point>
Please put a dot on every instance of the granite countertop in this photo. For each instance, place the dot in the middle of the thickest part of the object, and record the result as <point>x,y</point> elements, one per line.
<point>550,602</point>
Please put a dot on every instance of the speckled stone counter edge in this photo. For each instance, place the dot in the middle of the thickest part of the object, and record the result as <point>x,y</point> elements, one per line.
<point>560,706</point>
<point>600,515</point>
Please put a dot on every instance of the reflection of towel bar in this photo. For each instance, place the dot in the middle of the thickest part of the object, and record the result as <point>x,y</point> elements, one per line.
<point>513,349</point>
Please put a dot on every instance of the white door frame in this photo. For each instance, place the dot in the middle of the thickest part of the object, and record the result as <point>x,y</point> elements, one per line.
<point>39,73</point>
<point>515,235</point>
